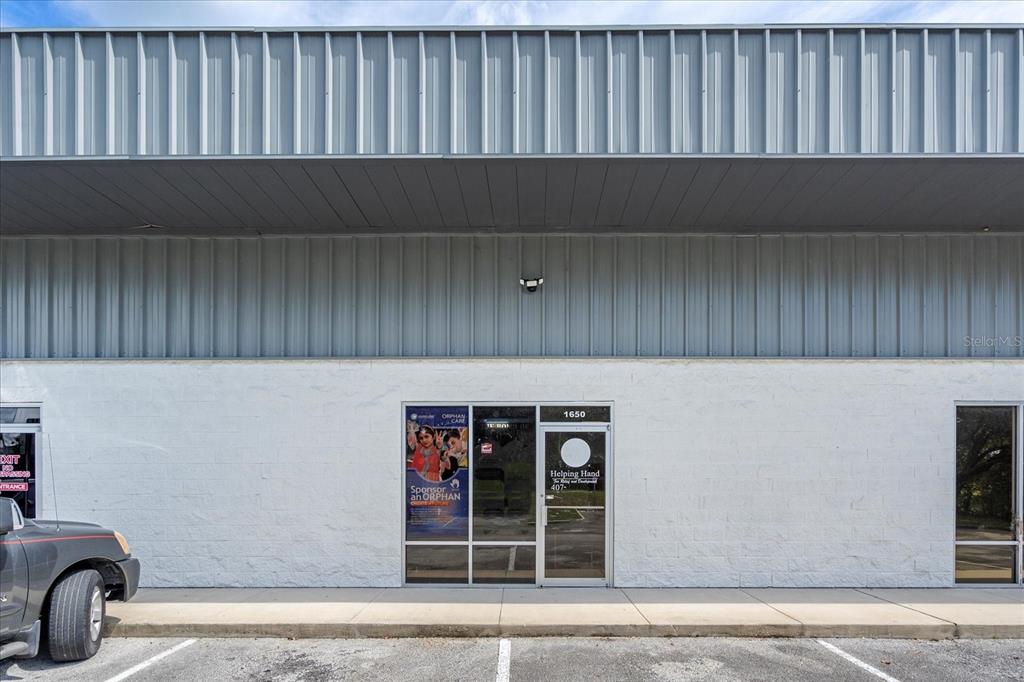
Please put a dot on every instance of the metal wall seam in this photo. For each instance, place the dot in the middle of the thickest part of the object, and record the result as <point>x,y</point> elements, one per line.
<point>297,97</point>
<point>927,122</point>
<point>390,97</point>
<point>608,82</point>
<point>328,101</point>
<point>483,92</point>
<point>959,96</point>
<point>204,105</point>
<point>579,96</point>
<point>545,120</point>
<point>833,108</point>
<point>862,73</point>
<point>16,117</point>
<point>515,93</point>
<point>453,91</point>
<point>265,112</point>
<point>360,123</point>
<point>641,91</point>
<point>79,101</point>
<point>421,96</point>
<point>799,89</point>
<point>892,90</point>
<point>235,133</point>
<point>673,114</point>
<point>736,94</point>
<point>109,52</point>
<point>172,96</point>
<point>140,95</point>
<point>703,91</point>
<point>985,120</point>
<point>767,80</point>
<point>47,94</point>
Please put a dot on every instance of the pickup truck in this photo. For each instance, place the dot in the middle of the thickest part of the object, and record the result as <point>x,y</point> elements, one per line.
<point>58,575</point>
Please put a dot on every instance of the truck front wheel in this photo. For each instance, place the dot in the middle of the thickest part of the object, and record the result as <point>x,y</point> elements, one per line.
<point>77,607</point>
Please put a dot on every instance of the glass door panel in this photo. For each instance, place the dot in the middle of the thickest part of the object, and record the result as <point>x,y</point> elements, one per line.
<point>984,473</point>
<point>988,526</point>
<point>574,517</point>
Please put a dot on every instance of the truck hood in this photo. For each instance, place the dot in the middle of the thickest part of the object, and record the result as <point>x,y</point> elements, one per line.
<point>72,526</point>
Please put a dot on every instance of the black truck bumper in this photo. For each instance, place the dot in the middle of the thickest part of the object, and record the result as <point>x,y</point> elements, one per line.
<point>130,568</point>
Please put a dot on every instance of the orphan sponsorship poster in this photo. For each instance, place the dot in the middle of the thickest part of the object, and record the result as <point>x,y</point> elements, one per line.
<point>437,473</point>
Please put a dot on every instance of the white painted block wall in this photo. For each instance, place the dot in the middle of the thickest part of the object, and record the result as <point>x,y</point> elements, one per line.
<point>727,472</point>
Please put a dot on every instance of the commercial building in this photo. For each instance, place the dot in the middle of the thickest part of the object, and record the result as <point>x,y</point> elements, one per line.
<point>722,306</point>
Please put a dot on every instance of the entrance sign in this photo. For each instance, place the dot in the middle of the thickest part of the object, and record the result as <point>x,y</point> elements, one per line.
<point>437,473</point>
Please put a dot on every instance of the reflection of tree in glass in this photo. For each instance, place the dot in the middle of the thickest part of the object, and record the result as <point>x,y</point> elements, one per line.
<point>984,468</point>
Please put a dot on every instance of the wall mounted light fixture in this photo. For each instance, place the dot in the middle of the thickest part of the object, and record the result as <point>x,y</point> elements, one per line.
<point>531,283</point>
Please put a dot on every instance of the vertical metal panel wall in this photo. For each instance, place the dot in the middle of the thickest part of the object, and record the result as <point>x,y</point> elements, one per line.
<point>815,90</point>
<point>439,295</point>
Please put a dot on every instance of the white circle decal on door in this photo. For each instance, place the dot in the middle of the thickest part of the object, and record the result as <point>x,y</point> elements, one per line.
<point>575,452</point>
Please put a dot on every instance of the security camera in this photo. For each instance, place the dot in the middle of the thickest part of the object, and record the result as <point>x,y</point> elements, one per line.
<point>531,283</point>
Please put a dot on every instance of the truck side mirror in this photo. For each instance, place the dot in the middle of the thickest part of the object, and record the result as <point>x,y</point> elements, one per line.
<point>6,515</point>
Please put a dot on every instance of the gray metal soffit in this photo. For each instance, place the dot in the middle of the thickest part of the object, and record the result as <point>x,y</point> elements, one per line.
<point>367,195</point>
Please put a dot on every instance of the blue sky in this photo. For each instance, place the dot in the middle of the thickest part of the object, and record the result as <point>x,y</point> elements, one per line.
<point>258,13</point>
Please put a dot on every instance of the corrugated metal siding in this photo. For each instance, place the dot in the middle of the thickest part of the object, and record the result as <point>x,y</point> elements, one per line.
<point>603,295</point>
<point>773,90</point>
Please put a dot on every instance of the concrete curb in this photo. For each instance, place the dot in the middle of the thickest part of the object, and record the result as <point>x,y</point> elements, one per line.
<point>383,630</point>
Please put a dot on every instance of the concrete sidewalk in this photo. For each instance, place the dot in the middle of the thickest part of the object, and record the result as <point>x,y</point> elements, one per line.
<point>483,612</point>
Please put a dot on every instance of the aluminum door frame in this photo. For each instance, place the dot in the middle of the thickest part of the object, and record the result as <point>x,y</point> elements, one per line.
<point>576,427</point>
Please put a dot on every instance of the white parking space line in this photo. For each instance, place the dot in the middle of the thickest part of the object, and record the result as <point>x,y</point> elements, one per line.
<point>504,660</point>
<point>150,661</point>
<point>857,662</point>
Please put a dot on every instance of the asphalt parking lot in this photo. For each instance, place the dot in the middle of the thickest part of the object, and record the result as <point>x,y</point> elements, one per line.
<point>582,659</point>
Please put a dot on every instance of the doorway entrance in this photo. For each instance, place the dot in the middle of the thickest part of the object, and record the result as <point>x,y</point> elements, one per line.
<point>572,475</point>
<point>528,502</point>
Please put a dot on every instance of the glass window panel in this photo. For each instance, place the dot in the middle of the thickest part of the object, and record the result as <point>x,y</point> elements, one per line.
<point>985,564</point>
<point>437,564</point>
<point>984,473</point>
<point>574,468</point>
<point>515,564</point>
<point>18,470</point>
<point>504,473</point>
<point>574,543</point>
<point>19,415</point>
<point>437,473</point>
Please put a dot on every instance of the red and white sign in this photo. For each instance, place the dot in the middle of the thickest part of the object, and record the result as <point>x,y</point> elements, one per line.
<point>13,487</point>
<point>486,448</point>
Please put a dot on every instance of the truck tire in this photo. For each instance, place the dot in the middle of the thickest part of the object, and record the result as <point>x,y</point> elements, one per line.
<point>77,608</point>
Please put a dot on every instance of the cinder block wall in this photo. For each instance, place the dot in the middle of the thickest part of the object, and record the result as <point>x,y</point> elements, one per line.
<point>727,472</point>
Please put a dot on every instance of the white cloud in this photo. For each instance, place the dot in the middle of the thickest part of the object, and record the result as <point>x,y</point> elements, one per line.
<point>269,13</point>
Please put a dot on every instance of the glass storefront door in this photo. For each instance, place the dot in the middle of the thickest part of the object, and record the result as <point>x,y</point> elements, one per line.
<point>573,477</point>
<point>507,494</point>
